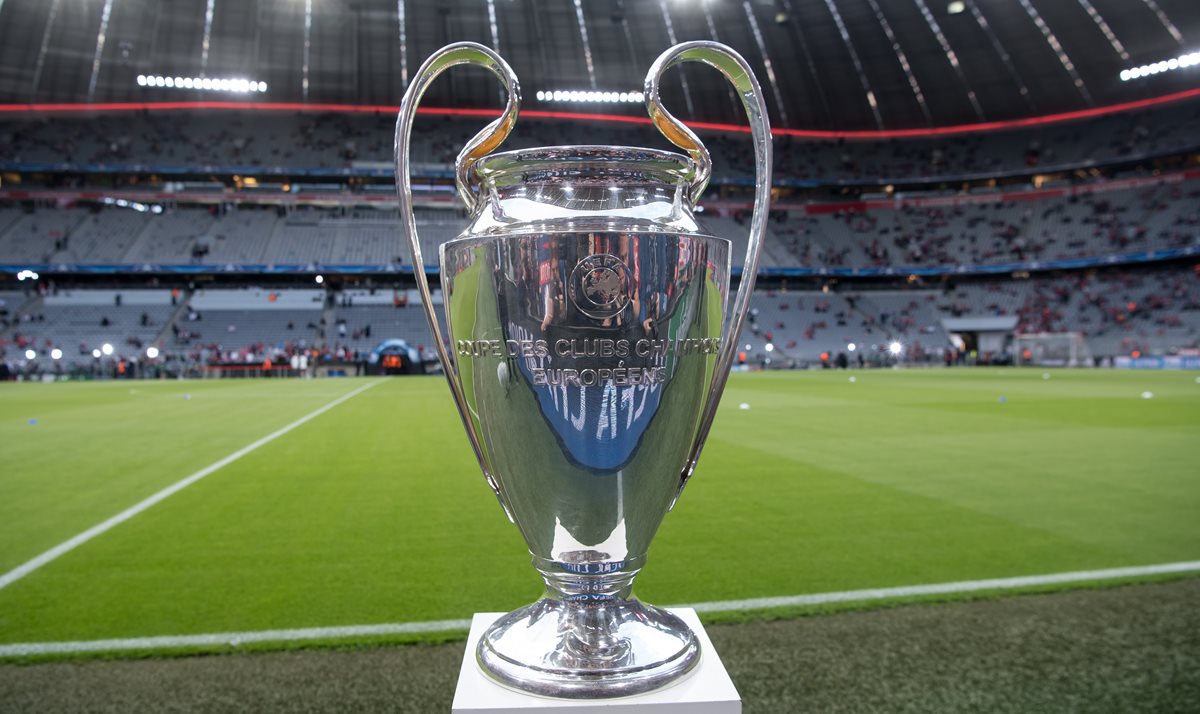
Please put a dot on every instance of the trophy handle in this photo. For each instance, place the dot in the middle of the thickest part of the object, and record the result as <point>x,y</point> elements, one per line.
<point>479,146</point>
<point>738,72</point>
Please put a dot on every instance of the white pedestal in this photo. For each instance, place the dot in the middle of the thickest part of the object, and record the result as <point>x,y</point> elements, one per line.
<point>706,690</point>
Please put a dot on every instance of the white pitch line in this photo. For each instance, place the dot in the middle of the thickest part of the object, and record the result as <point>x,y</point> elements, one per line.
<point>234,639</point>
<point>964,586</point>
<point>67,546</point>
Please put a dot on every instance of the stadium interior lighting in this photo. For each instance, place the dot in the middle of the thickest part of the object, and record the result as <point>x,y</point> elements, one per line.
<point>106,348</point>
<point>320,279</point>
<point>872,134</point>
<point>237,85</point>
<point>27,275</point>
<point>1190,59</point>
<point>851,347</point>
<point>135,205</point>
<point>55,353</point>
<point>152,352</point>
<point>895,348</point>
<point>30,354</point>
<point>96,353</point>
<point>592,97</point>
<point>955,7</point>
<point>770,347</point>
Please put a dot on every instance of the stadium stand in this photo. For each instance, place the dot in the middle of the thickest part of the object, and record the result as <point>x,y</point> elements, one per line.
<point>102,237</point>
<point>245,325</point>
<point>36,236</point>
<point>80,321</point>
<point>1109,226</point>
<point>171,236</point>
<point>362,320</point>
<point>336,142</point>
<point>240,236</point>
<point>1000,232</point>
<point>915,231</point>
<point>1119,311</point>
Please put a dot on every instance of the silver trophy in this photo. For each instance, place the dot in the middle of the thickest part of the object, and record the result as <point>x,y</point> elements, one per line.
<point>585,306</point>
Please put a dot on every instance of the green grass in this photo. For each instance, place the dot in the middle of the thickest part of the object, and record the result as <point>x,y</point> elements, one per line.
<point>376,512</point>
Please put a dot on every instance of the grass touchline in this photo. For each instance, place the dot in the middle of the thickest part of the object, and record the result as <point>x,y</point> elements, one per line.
<point>315,634</point>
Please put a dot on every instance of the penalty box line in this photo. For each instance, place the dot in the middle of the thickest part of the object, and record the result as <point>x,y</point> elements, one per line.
<point>313,634</point>
<point>67,546</point>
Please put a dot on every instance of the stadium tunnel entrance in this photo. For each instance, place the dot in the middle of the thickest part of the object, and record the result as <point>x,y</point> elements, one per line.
<point>989,339</point>
<point>392,357</point>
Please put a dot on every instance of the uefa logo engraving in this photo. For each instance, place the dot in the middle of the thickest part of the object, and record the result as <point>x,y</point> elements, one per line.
<point>600,286</point>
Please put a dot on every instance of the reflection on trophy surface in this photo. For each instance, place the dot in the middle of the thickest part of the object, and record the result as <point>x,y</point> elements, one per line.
<point>585,307</point>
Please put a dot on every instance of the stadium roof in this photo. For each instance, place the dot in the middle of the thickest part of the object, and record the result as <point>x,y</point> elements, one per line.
<point>824,64</point>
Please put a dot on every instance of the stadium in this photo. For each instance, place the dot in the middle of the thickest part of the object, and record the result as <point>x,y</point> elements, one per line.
<point>953,464</point>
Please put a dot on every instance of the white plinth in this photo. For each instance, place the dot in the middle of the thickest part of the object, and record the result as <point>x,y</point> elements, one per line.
<point>706,690</point>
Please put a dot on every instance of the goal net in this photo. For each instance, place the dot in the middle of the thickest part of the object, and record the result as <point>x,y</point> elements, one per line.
<point>1052,349</point>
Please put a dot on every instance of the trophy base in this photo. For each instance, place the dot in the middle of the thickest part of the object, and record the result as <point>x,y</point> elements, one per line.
<point>589,649</point>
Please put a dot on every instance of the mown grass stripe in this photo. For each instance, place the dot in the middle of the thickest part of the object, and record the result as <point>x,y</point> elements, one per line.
<point>313,634</point>
<point>67,546</point>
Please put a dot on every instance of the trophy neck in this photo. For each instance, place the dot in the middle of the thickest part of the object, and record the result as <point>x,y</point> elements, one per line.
<point>589,580</point>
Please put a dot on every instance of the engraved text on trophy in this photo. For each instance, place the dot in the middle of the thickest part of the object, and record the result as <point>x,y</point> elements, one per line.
<point>618,350</point>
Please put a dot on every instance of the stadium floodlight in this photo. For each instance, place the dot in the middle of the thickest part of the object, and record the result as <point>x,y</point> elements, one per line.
<point>1183,61</point>
<point>55,353</point>
<point>237,85</point>
<point>895,348</point>
<point>851,347</point>
<point>106,348</point>
<point>30,354</point>
<point>591,96</point>
<point>152,352</point>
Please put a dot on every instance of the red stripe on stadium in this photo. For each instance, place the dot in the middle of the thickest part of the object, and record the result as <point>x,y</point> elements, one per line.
<point>955,129</point>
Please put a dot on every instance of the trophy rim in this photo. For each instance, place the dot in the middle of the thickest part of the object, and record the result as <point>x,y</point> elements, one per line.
<point>550,228</point>
<point>669,163</point>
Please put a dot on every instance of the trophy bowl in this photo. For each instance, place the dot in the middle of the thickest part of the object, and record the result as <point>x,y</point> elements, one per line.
<point>587,347</point>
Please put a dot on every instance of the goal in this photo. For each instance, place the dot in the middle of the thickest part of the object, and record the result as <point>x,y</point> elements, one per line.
<point>1052,349</point>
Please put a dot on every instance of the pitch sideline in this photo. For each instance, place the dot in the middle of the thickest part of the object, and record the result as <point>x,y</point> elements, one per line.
<point>67,546</point>
<point>235,639</point>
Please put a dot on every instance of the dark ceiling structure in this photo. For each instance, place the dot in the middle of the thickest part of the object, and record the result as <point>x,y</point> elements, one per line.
<point>844,64</point>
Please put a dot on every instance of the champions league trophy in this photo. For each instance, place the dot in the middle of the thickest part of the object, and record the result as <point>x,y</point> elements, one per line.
<point>585,306</point>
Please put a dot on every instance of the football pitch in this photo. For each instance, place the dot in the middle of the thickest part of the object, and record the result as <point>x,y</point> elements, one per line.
<point>371,510</point>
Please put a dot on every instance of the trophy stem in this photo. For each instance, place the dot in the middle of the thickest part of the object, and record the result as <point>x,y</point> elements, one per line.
<point>588,637</point>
